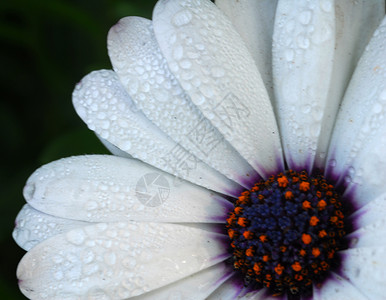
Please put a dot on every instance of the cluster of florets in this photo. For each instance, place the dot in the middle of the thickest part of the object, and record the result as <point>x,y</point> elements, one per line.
<point>285,232</point>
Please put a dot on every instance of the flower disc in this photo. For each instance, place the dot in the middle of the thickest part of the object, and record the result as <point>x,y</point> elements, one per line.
<point>285,232</point>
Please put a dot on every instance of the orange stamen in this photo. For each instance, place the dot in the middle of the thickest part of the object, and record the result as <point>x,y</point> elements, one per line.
<point>296,266</point>
<point>249,252</point>
<point>231,218</point>
<point>242,200</point>
<point>322,204</point>
<point>334,219</point>
<point>248,234</point>
<point>302,252</point>
<point>238,210</point>
<point>322,233</point>
<point>242,222</point>
<point>315,252</point>
<point>263,238</point>
<point>255,189</point>
<point>283,181</point>
<point>265,258</point>
<point>256,268</point>
<point>304,186</point>
<point>314,221</point>
<point>298,277</point>
<point>306,204</point>
<point>279,269</point>
<point>231,233</point>
<point>288,195</point>
<point>306,238</point>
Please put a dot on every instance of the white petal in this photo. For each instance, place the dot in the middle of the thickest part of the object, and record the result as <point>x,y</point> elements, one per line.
<point>337,287</point>
<point>106,188</point>
<point>143,71</point>
<point>197,286</point>
<point>32,227</point>
<point>224,82</point>
<point>227,291</point>
<point>355,24</point>
<point>262,294</point>
<point>359,139</point>
<point>370,213</point>
<point>365,268</point>
<point>116,260</point>
<point>102,102</point>
<point>372,235</point>
<point>303,50</point>
<point>114,149</point>
<point>254,20</point>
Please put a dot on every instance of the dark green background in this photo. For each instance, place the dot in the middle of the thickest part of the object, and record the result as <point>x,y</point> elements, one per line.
<point>46,47</point>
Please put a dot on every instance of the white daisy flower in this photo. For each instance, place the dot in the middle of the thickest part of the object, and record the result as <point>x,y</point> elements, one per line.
<point>233,177</point>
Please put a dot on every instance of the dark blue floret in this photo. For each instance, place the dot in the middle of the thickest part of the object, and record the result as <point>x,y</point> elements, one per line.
<point>284,233</point>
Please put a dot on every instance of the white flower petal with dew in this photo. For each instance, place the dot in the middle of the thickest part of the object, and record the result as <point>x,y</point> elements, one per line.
<point>254,21</point>
<point>314,50</point>
<point>361,125</point>
<point>33,227</point>
<point>119,260</point>
<point>338,288</point>
<point>366,270</point>
<point>197,286</point>
<point>103,104</point>
<point>144,73</point>
<point>234,99</point>
<point>99,227</point>
<point>105,188</point>
<point>227,291</point>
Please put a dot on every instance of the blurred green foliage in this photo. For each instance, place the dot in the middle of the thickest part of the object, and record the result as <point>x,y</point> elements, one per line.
<point>46,46</point>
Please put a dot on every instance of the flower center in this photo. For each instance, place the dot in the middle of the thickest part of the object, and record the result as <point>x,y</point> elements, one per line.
<point>285,232</point>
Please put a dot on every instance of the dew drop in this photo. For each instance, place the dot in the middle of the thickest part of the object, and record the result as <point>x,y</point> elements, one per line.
<point>302,41</point>
<point>182,18</point>
<point>76,237</point>
<point>306,109</point>
<point>289,54</point>
<point>326,5</point>
<point>305,17</point>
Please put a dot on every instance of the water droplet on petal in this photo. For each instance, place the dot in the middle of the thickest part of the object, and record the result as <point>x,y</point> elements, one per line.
<point>182,18</point>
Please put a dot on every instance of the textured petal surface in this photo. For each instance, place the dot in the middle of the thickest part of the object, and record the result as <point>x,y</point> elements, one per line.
<point>197,286</point>
<point>370,213</point>
<point>303,49</point>
<point>338,288</point>
<point>143,71</point>
<point>220,78</point>
<point>227,291</point>
<point>32,227</point>
<point>316,47</point>
<point>355,22</point>
<point>365,268</point>
<point>254,20</point>
<point>358,144</point>
<point>104,188</point>
<point>373,233</point>
<point>114,149</point>
<point>261,295</point>
<point>104,105</point>
<point>116,260</point>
